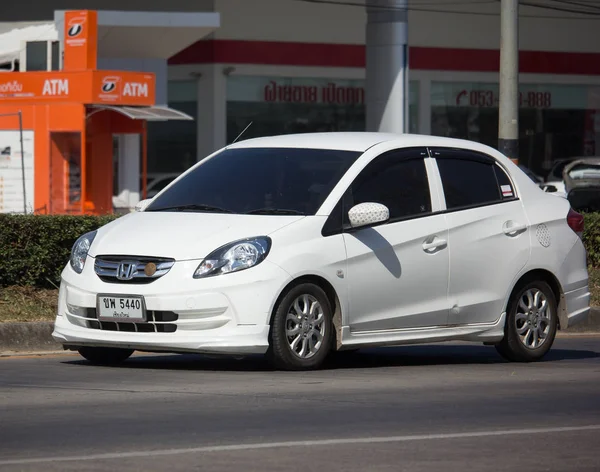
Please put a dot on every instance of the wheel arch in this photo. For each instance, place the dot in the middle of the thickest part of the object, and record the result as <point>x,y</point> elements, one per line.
<point>552,281</point>
<point>332,296</point>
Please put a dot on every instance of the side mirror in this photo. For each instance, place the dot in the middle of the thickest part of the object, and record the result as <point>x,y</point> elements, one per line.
<point>141,206</point>
<point>549,188</point>
<point>366,214</point>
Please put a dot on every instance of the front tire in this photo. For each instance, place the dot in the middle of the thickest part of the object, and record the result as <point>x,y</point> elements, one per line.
<point>531,323</point>
<point>302,329</point>
<point>105,355</point>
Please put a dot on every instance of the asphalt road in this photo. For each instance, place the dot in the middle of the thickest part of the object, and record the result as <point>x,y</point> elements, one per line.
<point>449,407</point>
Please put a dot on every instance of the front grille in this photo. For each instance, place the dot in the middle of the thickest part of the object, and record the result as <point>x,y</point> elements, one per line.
<point>158,322</point>
<point>131,269</point>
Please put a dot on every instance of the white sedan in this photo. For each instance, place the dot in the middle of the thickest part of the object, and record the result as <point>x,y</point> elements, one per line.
<point>298,245</point>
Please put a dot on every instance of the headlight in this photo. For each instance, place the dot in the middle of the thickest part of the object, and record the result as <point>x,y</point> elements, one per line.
<point>234,257</point>
<point>80,251</point>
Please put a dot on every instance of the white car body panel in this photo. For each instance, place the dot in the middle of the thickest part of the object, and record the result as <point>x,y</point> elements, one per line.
<point>409,285</point>
<point>477,291</point>
<point>182,236</point>
<point>389,290</point>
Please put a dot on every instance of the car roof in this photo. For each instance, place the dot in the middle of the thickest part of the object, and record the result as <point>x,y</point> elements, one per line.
<point>358,141</point>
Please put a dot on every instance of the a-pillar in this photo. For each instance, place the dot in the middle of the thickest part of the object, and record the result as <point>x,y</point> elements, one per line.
<point>387,66</point>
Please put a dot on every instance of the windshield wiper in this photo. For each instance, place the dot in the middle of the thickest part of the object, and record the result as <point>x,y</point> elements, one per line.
<point>193,207</point>
<point>274,211</point>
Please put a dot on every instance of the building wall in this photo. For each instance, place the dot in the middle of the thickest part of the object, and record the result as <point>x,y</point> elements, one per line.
<point>43,10</point>
<point>442,23</point>
<point>541,29</point>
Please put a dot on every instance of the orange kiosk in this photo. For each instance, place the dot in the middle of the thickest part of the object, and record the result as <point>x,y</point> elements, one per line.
<point>65,122</point>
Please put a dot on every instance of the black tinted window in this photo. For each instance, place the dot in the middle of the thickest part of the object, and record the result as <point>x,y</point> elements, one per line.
<point>259,180</point>
<point>468,182</point>
<point>397,181</point>
<point>162,184</point>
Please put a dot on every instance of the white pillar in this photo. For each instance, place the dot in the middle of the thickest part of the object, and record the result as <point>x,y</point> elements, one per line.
<point>387,66</point>
<point>128,180</point>
<point>212,110</point>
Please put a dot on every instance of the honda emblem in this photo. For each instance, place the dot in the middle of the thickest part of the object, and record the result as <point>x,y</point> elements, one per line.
<point>126,270</point>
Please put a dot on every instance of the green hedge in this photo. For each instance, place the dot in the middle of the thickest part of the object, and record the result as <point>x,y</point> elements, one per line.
<point>35,249</point>
<point>591,238</point>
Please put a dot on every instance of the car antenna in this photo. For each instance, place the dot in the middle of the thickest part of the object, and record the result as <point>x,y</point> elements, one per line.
<point>243,131</point>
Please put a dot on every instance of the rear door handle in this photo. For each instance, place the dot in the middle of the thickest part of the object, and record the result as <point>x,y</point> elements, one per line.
<point>434,244</point>
<point>512,228</point>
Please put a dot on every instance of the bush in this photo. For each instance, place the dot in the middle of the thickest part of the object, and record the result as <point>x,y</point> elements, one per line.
<point>591,238</point>
<point>35,248</point>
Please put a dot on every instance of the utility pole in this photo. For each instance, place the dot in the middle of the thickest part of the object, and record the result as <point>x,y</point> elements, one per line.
<point>508,120</point>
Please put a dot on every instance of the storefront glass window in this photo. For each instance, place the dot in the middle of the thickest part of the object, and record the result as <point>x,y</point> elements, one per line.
<point>296,105</point>
<point>172,144</point>
<point>555,121</point>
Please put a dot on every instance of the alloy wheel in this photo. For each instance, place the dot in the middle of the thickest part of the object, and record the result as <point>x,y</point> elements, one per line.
<point>305,326</point>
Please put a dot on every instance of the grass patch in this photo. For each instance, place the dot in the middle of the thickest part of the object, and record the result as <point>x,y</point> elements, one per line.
<point>36,304</point>
<point>27,304</point>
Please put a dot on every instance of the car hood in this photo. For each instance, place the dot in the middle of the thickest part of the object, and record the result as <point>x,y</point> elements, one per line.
<point>181,235</point>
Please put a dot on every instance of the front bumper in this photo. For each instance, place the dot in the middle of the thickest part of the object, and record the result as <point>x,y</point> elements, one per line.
<point>227,314</point>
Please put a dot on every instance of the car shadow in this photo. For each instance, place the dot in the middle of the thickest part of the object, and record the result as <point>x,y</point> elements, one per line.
<point>382,249</point>
<point>405,356</point>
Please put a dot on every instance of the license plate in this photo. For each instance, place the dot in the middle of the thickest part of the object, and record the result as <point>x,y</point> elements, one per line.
<point>121,308</point>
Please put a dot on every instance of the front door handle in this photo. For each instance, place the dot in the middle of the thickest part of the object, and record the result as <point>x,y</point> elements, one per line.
<point>434,244</point>
<point>512,228</point>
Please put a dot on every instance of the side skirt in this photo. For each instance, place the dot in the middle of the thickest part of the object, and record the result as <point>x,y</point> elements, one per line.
<point>483,333</point>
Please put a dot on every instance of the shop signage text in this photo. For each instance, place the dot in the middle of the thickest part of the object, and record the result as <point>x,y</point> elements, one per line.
<point>491,99</point>
<point>116,87</point>
<point>56,87</point>
<point>330,93</point>
<point>125,87</point>
<point>34,86</point>
<point>11,87</point>
<point>135,89</point>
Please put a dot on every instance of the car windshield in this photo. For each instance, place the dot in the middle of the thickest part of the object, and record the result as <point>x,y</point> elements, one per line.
<point>278,181</point>
<point>584,171</point>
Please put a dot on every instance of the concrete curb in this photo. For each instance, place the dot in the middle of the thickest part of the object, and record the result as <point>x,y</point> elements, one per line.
<point>28,337</point>
<point>36,336</point>
<point>591,325</point>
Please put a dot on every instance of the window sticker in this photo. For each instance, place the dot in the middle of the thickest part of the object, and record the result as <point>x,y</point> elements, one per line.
<point>506,190</point>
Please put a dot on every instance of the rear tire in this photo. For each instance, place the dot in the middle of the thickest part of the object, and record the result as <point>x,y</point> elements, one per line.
<point>531,323</point>
<point>302,331</point>
<point>105,355</point>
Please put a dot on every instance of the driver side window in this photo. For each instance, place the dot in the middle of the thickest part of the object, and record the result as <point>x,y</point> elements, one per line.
<point>398,180</point>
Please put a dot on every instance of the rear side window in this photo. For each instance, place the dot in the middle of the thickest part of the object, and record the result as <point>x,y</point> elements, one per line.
<point>397,180</point>
<point>507,192</point>
<point>470,179</point>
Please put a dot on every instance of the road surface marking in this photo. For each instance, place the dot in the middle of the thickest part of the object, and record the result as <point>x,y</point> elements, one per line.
<point>311,443</point>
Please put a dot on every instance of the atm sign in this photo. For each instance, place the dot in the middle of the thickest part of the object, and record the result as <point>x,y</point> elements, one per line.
<point>135,89</point>
<point>125,88</point>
